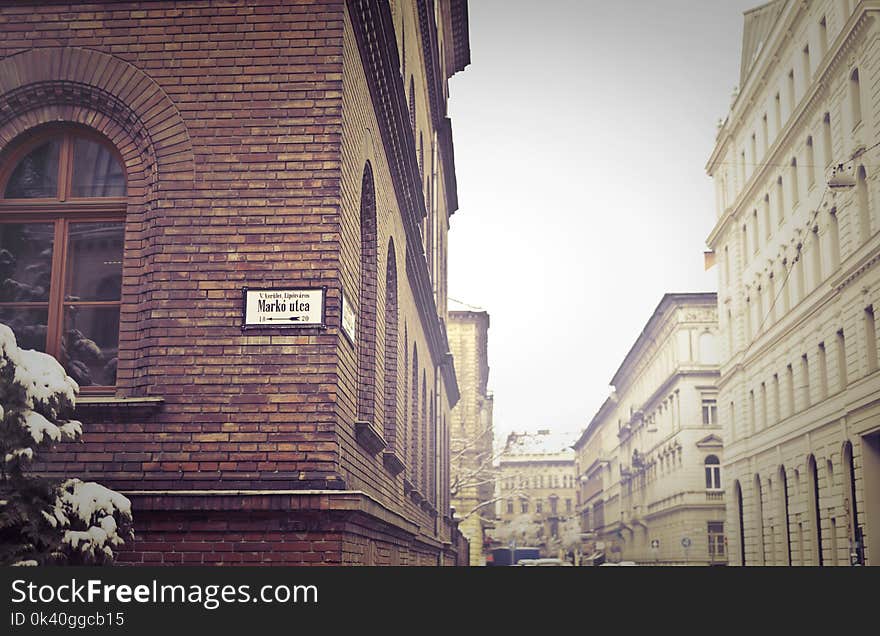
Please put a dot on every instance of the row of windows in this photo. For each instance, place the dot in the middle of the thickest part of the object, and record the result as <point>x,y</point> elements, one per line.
<point>770,520</point>
<point>764,409</point>
<point>538,481</point>
<point>539,505</point>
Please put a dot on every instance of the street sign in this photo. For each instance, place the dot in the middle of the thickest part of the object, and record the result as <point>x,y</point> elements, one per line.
<point>655,543</point>
<point>288,307</point>
<point>685,542</point>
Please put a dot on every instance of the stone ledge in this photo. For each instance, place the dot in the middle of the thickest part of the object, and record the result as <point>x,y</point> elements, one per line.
<point>90,406</point>
<point>353,501</point>
<point>393,463</point>
<point>368,437</point>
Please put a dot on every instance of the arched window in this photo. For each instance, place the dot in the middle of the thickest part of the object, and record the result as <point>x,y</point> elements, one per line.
<point>366,317</point>
<point>851,501</point>
<point>784,516</point>
<point>391,335</point>
<point>713,473</point>
<point>815,510</point>
<point>811,163</point>
<point>795,194</point>
<point>414,420</point>
<point>862,202</point>
<point>759,519</point>
<point>412,104</point>
<point>62,207</point>
<point>855,98</point>
<point>742,533</point>
<point>424,435</point>
<point>826,140</point>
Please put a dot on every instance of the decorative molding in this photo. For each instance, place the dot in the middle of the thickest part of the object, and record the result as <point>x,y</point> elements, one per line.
<point>393,463</point>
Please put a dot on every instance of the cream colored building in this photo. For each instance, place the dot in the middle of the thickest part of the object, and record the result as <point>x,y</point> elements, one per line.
<point>795,166</point>
<point>536,490</point>
<point>472,480</point>
<point>651,488</point>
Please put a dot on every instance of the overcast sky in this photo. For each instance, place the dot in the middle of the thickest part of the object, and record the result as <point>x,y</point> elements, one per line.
<point>581,132</point>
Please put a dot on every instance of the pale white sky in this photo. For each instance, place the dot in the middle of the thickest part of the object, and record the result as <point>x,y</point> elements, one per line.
<point>581,133</point>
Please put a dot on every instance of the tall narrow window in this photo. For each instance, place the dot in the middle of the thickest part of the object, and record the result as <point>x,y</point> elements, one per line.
<point>777,107</point>
<point>811,163</point>
<point>791,98</point>
<point>870,339</point>
<point>823,372</point>
<point>834,239</point>
<point>780,201</point>
<point>391,350</point>
<point>771,295</point>
<point>742,168</point>
<point>764,416</point>
<point>745,244</point>
<point>862,202</point>
<point>816,257</point>
<point>740,517</point>
<point>415,429</point>
<point>789,385</point>
<point>805,373</point>
<point>755,232</point>
<point>752,416</point>
<point>759,519</point>
<point>716,539</point>
<point>412,104</point>
<point>768,225</point>
<point>855,98</point>
<point>815,510</point>
<point>795,189</point>
<point>63,262</point>
<point>850,504</point>
<point>805,66</point>
<point>710,412</point>
<point>765,132</point>
<point>841,360</point>
<point>777,407</point>
<point>748,320</point>
<point>732,425</point>
<point>366,316</point>
<point>823,37</point>
<point>800,288</point>
<point>754,150</point>
<point>826,140</point>
<point>786,288</point>
<point>784,513</point>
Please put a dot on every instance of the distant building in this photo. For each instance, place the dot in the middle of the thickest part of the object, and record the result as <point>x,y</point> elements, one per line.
<point>470,429</point>
<point>536,492</point>
<point>649,462</point>
<point>796,166</point>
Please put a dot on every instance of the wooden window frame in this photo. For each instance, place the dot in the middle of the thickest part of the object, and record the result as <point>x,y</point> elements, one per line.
<point>61,211</point>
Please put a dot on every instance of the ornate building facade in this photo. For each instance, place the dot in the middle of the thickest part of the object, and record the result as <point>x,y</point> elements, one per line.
<point>165,164</point>
<point>649,463</point>
<point>797,243</point>
<point>472,480</point>
<point>536,493</point>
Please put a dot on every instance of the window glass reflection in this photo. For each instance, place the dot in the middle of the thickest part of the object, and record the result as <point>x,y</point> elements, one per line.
<point>94,262</point>
<point>96,171</point>
<point>25,261</point>
<point>90,344</point>
<point>36,176</point>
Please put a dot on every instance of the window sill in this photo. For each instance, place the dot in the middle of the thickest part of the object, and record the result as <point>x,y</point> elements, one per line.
<point>393,463</point>
<point>368,437</point>
<point>93,406</point>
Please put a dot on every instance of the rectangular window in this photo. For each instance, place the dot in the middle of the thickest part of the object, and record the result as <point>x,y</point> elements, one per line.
<point>539,506</point>
<point>823,36</point>
<point>525,506</point>
<point>751,412</point>
<point>710,412</point>
<point>870,339</point>
<point>568,505</point>
<point>806,66</point>
<point>716,539</point>
<point>841,360</point>
<point>509,507</point>
<point>805,371</point>
<point>764,421</point>
<point>777,411</point>
<point>789,377</point>
<point>823,372</point>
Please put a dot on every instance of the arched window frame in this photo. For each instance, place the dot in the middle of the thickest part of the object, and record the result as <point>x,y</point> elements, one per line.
<point>713,472</point>
<point>62,211</point>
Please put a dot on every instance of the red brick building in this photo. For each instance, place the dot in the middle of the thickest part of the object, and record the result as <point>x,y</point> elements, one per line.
<point>156,158</point>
